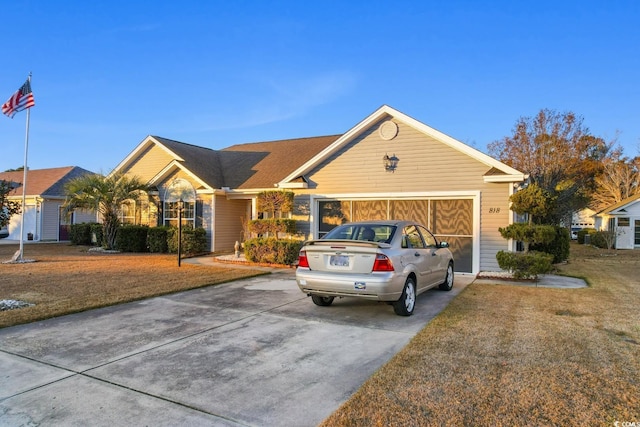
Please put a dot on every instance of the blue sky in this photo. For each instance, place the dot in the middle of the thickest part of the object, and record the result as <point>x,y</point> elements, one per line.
<point>213,73</point>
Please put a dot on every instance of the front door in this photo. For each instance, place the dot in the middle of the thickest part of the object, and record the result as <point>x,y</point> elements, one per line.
<point>63,233</point>
<point>624,234</point>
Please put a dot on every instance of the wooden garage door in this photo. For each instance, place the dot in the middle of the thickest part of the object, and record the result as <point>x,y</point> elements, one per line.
<point>451,220</point>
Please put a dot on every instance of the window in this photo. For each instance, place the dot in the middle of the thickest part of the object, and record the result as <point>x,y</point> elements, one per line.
<point>624,222</point>
<point>411,237</point>
<point>172,213</point>
<point>428,237</point>
<point>128,212</point>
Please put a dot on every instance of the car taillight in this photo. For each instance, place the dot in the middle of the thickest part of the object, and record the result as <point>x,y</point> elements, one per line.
<point>302,259</point>
<point>382,263</point>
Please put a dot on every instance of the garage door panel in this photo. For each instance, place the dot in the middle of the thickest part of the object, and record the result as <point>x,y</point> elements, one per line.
<point>452,217</point>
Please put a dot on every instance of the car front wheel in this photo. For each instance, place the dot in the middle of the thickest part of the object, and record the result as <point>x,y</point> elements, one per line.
<point>321,301</point>
<point>448,279</point>
<point>407,302</point>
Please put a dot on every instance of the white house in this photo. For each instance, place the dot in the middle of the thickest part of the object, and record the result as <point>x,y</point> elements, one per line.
<point>624,219</point>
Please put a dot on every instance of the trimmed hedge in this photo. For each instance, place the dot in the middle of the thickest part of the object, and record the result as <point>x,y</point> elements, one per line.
<point>80,234</point>
<point>272,251</point>
<point>157,239</point>
<point>525,265</point>
<point>558,247</point>
<point>194,241</point>
<point>132,238</point>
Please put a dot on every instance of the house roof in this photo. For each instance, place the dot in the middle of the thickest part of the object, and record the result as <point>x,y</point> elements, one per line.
<point>620,205</point>
<point>284,163</point>
<point>264,164</point>
<point>202,162</point>
<point>43,182</point>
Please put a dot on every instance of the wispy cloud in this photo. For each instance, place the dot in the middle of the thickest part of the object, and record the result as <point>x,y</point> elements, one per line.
<point>279,99</point>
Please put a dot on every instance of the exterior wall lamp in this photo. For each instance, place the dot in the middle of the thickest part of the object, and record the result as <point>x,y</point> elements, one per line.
<point>390,163</point>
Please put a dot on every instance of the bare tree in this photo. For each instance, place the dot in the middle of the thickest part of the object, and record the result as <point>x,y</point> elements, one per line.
<point>619,180</point>
<point>559,154</point>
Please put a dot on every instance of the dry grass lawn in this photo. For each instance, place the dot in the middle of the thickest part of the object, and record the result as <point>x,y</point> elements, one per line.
<point>512,356</point>
<point>66,279</point>
<point>498,355</point>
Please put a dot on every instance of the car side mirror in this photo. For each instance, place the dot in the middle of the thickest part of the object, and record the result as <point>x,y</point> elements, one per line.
<point>443,245</point>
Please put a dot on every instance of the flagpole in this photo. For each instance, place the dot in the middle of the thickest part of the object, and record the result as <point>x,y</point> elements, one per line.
<point>24,182</point>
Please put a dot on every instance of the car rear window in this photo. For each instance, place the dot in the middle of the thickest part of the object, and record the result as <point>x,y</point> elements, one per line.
<point>368,232</point>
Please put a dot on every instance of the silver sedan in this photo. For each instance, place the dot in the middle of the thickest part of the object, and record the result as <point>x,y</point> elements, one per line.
<point>391,261</point>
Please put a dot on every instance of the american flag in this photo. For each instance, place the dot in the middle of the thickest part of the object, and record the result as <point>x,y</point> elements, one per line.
<point>21,100</point>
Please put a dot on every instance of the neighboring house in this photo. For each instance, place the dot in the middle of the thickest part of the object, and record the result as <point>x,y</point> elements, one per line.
<point>622,218</point>
<point>43,219</point>
<point>582,219</point>
<point>389,165</point>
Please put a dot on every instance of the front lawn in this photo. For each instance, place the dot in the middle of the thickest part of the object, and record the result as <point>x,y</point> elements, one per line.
<point>503,355</point>
<point>67,279</point>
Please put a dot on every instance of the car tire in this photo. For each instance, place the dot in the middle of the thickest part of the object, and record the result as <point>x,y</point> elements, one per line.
<point>322,301</point>
<point>407,302</point>
<point>447,285</point>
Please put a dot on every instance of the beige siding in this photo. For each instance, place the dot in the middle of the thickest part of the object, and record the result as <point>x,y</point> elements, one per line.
<point>149,163</point>
<point>494,213</point>
<point>425,165</point>
<point>81,215</point>
<point>50,214</point>
<point>229,219</point>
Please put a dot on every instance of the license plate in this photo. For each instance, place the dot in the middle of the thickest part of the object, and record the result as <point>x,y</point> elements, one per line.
<point>339,260</point>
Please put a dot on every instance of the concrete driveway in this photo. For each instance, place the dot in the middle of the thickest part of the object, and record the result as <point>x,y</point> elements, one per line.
<point>252,352</point>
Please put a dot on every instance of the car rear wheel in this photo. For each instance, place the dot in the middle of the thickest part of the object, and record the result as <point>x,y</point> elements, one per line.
<point>447,285</point>
<point>321,301</point>
<point>407,302</point>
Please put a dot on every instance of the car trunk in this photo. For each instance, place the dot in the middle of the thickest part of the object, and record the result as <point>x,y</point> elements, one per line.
<point>340,256</point>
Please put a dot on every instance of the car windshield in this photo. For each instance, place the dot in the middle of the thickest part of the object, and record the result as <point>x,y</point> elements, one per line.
<point>370,232</point>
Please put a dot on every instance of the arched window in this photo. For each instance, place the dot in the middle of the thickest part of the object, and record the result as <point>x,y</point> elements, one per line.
<point>179,195</point>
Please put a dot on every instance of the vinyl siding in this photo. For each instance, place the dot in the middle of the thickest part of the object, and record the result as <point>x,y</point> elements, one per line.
<point>229,219</point>
<point>50,214</point>
<point>149,163</point>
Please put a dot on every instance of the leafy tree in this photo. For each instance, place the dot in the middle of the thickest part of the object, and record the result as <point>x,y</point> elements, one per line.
<point>104,194</point>
<point>559,154</point>
<point>8,208</point>
<point>619,180</point>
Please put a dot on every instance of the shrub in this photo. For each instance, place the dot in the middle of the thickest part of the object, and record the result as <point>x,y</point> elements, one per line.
<point>582,233</point>
<point>272,251</point>
<point>194,241</point>
<point>599,239</point>
<point>529,234</point>
<point>80,234</point>
<point>558,247</point>
<point>271,227</point>
<point>132,238</point>
<point>157,238</point>
<point>525,265</point>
